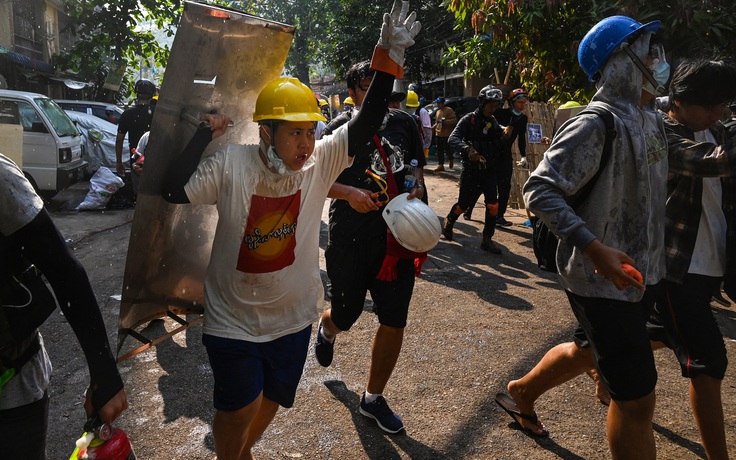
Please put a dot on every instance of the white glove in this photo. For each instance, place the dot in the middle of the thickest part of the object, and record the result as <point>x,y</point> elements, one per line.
<point>398,31</point>
<point>522,163</point>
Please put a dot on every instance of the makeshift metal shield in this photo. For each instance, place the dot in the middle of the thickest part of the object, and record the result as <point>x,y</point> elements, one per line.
<point>220,60</point>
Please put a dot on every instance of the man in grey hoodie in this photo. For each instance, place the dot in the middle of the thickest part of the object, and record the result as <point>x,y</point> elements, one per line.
<point>620,223</point>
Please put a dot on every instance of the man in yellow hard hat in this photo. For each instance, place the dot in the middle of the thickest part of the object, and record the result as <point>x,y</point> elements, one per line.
<point>348,103</point>
<point>263,285</point>
<point>422,117</point>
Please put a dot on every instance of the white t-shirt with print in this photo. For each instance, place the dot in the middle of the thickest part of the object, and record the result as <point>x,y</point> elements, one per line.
<point>263,280</point>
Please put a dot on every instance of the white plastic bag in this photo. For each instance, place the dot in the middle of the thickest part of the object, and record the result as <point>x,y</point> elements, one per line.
<point>102,187</point>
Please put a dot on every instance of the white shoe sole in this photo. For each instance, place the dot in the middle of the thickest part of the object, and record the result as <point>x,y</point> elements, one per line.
<point>368,414</point>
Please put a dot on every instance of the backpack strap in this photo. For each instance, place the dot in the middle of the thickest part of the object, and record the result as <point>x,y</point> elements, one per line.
<point>611,134</point>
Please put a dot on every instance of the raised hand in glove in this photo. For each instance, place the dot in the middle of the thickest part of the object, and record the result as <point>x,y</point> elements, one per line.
<point>397,34</point>
<point>474,156</point>
<point>522,163</point>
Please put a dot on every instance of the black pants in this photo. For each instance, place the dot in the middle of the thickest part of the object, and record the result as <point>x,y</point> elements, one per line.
<point>504,170</point>
<point>23,430</point>
<point>442,148</point>
<point>474,181</point>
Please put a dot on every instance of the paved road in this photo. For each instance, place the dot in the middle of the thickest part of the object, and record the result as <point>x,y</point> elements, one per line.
<point>476,321</point>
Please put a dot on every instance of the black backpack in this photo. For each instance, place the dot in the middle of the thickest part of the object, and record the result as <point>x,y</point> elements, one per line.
<point>544,242</point>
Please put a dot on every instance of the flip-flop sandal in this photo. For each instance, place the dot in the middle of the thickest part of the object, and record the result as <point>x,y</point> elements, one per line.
<point>509,405</point>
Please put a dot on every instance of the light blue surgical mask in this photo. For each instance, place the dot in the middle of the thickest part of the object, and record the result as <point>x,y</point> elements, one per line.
<point>515,112</point>
<point>274,161</point>
<point>661,73</point>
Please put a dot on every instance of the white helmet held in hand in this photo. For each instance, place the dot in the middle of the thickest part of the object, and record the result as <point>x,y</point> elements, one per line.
<point>414,225</point>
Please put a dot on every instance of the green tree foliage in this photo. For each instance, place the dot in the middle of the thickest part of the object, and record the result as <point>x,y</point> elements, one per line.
<point>540,37</point>
<point>334,34</point>
<point>330,34</point>
<point>112,32</point>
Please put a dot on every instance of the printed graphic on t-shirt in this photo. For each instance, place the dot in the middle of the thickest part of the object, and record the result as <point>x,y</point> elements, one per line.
<point>396,157</point>
<point>270,234</point>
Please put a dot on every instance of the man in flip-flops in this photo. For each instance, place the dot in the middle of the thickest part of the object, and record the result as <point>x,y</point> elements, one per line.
<point>620,223</point>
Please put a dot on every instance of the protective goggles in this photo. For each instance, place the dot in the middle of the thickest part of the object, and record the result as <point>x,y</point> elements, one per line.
<point>656,51</point>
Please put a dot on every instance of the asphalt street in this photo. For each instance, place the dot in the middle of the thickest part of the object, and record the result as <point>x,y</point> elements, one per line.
<point>477,320</point>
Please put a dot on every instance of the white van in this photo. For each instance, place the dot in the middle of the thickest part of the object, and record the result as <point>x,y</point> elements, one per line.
<point>52,145</point>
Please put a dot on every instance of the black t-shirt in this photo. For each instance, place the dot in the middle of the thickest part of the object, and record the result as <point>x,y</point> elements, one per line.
<point>507,118</point>
<point>400,140</point>
<point>136,121</point>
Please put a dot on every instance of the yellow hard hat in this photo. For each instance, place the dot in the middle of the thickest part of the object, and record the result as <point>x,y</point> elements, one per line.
<point>287,99</point>
<point>349,101</point>
<point>412,100</point>
<point>322,103</point>
<point>569,104</point>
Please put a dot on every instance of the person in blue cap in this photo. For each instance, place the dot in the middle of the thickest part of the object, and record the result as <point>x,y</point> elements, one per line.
<point>615,232</point>
<point>445,121</point>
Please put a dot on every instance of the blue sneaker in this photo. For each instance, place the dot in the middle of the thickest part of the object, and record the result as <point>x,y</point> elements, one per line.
<point>379,411</point>
<point>323,350</point>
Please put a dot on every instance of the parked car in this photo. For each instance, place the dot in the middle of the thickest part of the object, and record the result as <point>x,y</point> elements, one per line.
<point>52,145</point>
<point>108,112</point>
<point>99,140</point>
<point>461,106</point>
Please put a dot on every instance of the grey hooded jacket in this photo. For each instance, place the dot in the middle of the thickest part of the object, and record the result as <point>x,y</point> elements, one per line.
<point>625,208</point>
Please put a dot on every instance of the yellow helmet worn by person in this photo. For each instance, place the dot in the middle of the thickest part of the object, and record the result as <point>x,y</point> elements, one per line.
<point>322,103</point>
<point>349,101</point>
<point>412,100</point>
<point>287,99</point>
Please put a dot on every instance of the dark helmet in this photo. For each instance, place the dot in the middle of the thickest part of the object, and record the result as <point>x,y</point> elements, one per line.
<point>144,88</point>
<point>490,93</point>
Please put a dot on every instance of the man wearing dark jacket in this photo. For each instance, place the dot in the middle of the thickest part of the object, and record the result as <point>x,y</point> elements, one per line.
<point>515,121</point>
<point>699,236</point>
<point>478,138</point>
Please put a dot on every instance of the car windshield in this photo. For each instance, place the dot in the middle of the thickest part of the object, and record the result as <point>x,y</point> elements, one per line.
<point>60,121</point>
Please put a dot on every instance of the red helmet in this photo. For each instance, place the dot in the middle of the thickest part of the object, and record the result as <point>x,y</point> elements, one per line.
<point>517,93</point>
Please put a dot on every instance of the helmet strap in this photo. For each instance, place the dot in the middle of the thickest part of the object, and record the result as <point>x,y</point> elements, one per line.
<point>658,88</point>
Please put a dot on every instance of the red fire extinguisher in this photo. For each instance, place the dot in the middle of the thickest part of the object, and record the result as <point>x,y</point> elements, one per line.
<point>104,443</point>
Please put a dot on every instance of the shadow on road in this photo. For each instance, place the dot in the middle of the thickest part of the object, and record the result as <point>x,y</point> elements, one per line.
<point>376,443</point>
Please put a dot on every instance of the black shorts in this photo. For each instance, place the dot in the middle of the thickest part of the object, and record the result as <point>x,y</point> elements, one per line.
<point>353,269</point>
<point>684,321</point>
<point>617,332</point>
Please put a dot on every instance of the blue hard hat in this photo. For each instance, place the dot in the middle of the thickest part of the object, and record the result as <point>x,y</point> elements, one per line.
<point>604,39</point>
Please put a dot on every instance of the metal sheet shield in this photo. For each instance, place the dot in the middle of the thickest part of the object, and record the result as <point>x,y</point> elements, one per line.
<point>220,60</point>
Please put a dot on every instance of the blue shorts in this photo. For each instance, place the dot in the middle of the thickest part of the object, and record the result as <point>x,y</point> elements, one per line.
<point>243,369</point>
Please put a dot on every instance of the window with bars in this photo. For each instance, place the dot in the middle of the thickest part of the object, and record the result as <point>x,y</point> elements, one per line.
<point>28,28</point>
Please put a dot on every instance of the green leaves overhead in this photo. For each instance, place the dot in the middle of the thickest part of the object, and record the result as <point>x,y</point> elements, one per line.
<point>540,37</point>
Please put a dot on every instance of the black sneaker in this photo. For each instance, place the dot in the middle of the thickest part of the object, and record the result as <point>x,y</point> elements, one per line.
<point>379,411</point>
<point>323,350</point>
<point>501,222</point>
